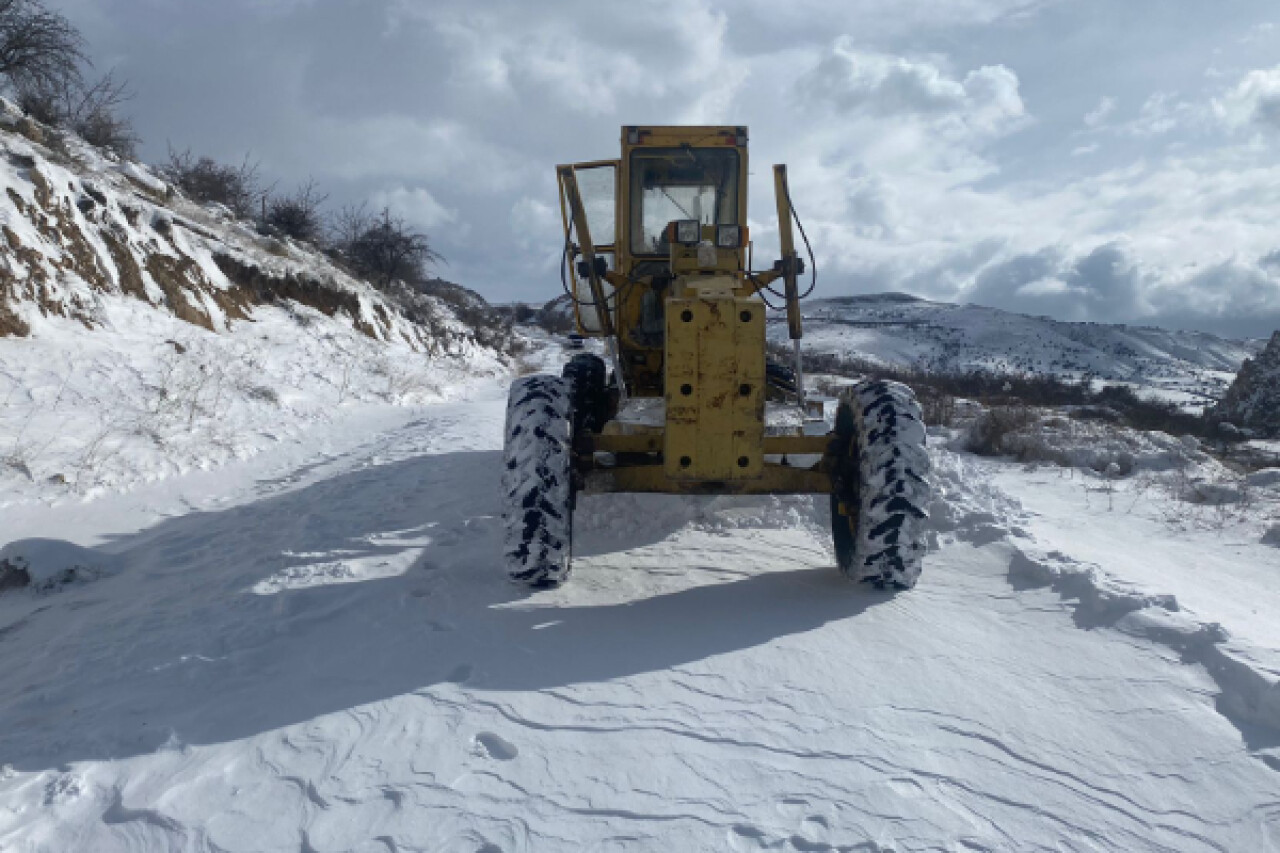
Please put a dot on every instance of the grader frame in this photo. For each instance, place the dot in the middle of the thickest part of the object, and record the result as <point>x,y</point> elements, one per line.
<point>670,290</point>
<point>706,359</point>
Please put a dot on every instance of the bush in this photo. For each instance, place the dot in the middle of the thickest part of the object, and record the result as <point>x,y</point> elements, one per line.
<point>989,433</point>
<point>298,215</point>
<point>206,181</point>
<point>938,390</point>
<point>937,407</point>
<point>107,130</point>
<point>382,247</point>
<point>90,111</point>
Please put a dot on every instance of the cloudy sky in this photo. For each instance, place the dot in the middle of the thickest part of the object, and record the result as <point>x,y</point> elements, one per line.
<point>1110,160</point>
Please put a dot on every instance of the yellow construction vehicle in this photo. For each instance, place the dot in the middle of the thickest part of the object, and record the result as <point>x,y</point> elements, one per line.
<point>657,260</point>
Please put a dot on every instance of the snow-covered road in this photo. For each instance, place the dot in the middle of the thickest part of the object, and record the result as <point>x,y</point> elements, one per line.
<point>330,659</point>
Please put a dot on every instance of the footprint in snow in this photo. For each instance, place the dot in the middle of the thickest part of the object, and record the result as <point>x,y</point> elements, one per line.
<point>62,789</point>
<point>746,837</point>
<point>489,745</point>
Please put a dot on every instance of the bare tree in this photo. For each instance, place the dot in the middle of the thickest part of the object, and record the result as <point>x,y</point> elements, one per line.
<point>346,226</point>
<point>92,110</point>
<point>205,180</point>
<point>38,47</point>
<point>383,247</point>
<point>297,215</point>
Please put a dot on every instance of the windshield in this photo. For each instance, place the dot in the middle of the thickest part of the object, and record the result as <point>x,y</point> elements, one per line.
<point>680,183</point>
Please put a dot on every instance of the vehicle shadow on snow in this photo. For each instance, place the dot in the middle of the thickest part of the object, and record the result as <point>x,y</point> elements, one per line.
<point>178,648</point>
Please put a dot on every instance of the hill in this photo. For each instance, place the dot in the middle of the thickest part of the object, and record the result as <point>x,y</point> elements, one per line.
<point>142,335</point>
<point>903,331</point>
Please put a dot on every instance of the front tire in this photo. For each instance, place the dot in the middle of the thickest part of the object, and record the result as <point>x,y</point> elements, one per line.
<point>880,486</point>
<point>537,480</point>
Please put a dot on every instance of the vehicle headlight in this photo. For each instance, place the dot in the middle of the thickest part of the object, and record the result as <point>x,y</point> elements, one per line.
<point>728,236</point>
<point>687,231</point>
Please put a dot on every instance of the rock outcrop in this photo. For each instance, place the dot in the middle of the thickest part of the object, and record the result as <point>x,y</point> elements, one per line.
<point>1253,400</point>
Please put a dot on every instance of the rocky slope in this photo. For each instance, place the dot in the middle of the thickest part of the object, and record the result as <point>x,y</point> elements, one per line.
<point>79,225</point>
<point>1253,400</point>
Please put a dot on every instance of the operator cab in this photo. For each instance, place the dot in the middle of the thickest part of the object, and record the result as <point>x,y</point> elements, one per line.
<point>673,205</point>
<point>680,185</point>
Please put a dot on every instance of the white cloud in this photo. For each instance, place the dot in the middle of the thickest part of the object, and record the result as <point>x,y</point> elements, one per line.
<point>1264,31</point>
<point>887,19</point>
<point>851,80</point>
<point>1164,112</point>
<point>1099,114</point>
<point>537,229</point>
<point>416,205</point>
<point>1254,101</point>
<point>933,151</point>
<point>572,55</point>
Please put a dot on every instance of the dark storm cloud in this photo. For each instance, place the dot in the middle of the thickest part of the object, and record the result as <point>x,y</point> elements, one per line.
<point>930,140</point>
<point>1102,283</point>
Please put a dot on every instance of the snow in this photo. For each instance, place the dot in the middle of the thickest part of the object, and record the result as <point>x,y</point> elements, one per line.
<point>317,649</point>
<point>1265,478</point>
<point>150,396</point>
<point>46,564</point>
<point>1189,368</point>
<point>1209,557</point>
<point>254,596</point>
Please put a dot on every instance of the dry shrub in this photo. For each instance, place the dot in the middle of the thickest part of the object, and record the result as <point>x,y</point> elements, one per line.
<point>938,408</point>
<point>990,433</point>
<point>298,215</point>
<point>382,247</point>
<point>90,110</point>
<point>205,180</point>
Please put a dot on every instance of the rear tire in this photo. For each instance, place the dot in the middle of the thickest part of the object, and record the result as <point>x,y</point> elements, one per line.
<point>880,483</point>
<point>537,480</point>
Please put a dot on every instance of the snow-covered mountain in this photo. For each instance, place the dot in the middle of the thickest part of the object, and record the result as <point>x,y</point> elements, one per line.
<point>901,330</point>
<point>142,335</point>
<point>1253,400</point>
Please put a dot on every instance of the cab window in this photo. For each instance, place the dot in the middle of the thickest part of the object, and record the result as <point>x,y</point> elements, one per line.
<point>680,183</point>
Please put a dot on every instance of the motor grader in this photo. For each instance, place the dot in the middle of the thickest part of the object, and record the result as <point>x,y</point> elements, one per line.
<point>658,262</point>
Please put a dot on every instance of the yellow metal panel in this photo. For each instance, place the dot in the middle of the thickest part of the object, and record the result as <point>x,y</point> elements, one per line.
<point>773,480</point>
<point>748,408</point>
<point>640,443</point>
<point>683,317</point>
<point>789,256</point>
<point>651,441</point>
<point>714,389</point>
<point>799,445</point>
